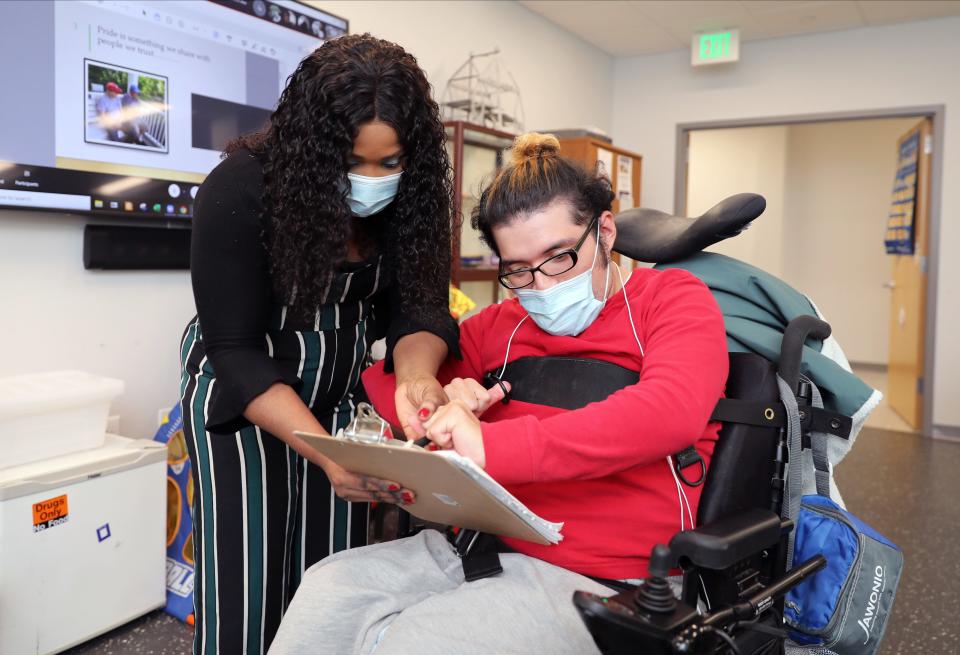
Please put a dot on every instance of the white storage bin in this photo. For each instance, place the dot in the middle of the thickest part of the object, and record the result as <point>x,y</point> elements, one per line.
<point>50,414</point>
<point>82,544</point>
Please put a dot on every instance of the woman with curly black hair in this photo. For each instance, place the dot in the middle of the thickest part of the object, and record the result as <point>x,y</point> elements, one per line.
<point>325,231</point>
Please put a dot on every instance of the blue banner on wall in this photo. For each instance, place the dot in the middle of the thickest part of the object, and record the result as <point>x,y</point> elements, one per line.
<point>900,233</point>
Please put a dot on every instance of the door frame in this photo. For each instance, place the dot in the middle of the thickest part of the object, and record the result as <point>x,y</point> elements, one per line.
<point>933,112</point>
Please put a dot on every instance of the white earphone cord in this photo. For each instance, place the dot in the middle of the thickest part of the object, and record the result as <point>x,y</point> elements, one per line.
<point>626,301</point>
<point>506,357</point>
<point>681,494</point>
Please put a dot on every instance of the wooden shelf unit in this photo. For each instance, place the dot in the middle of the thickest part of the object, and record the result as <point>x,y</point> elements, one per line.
<point>586,150</point>
<point>460,137</point>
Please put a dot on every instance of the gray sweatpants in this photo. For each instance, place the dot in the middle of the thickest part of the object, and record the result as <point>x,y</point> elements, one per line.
<point>409,596</point>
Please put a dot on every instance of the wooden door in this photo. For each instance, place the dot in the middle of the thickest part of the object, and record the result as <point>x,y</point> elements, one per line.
<point>908,285</point>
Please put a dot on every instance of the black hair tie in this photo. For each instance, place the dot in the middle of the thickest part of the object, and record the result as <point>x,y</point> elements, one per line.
<point>490,379</point>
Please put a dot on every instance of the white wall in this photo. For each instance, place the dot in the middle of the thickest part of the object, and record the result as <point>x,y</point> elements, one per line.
<point>828,188</point>
<point>881,67</point>
<point>839,182</point>
<point>563,80</point>
<point>56,315</point>
<point>128,325</point>
<point>750,158</point>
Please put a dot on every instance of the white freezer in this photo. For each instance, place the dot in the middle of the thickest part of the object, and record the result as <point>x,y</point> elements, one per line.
<point>82,544</point>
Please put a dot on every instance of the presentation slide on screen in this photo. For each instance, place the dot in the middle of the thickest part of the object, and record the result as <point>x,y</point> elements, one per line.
<point>145,74</point>
<point>113,102</point>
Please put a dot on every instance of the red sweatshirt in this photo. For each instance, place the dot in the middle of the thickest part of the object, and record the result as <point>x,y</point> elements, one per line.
<point>601,470</point>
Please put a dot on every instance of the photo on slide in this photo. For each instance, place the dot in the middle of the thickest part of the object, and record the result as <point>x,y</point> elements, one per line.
<point>125,107</point>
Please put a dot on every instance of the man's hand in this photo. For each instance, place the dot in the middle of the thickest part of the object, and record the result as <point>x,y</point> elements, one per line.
<point>454,426</point>
<point>473,395</point>
<point>417,398</point>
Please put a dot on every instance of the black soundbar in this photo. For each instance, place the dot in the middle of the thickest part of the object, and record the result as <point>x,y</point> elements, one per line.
<point>125,248</point>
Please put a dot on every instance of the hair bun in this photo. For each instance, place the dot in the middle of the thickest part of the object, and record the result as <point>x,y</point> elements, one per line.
<point>532,145</point>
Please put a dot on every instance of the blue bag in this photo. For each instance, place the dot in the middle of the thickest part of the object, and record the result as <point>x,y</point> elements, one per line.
<point>180,568</point>
<point>844,607</point>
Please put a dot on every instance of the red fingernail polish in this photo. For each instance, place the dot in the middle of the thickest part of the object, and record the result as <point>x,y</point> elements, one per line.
<point>407,497</point>
<point>394,487</point>
<point>424,413</point>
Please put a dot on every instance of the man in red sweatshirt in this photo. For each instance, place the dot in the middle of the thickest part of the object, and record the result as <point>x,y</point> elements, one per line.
<point>603,469</point>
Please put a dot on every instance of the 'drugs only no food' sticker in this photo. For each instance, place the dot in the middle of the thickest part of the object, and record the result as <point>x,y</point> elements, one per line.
<point>50,513</point>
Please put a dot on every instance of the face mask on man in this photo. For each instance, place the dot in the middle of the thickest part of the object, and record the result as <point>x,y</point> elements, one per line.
<point>368,195</point>
<point>569,307</point>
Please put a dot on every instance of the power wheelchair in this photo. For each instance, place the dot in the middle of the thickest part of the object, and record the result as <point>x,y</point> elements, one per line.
<point>734,563</point>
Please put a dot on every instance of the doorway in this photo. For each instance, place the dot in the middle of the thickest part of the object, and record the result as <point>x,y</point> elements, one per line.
<point>829,185</point>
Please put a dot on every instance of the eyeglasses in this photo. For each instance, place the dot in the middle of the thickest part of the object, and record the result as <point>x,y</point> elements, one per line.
<point>552,266</point>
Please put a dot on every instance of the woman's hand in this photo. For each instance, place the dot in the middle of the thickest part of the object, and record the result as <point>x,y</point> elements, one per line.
<point>352,486</point>
<point>364,489</point>
<point>473,395</point>
<point>417,398</point>
<point>455,426</point>
<point>280,410</point>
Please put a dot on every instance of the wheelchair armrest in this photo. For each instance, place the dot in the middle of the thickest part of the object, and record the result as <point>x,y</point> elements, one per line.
<point>723,543</point>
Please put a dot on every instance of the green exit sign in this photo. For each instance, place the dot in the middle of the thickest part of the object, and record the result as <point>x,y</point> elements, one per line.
<point>717,47</point>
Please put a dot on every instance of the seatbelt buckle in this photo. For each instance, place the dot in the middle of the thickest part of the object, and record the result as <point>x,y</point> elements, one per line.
<point>477,567</point>
<point>480,562</point>
<point>464,541</point>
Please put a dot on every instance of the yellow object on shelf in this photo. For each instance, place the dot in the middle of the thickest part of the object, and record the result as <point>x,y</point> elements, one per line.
<point>460,303</point>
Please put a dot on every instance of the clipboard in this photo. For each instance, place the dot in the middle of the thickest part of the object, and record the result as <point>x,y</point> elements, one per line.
<point>446,493</point>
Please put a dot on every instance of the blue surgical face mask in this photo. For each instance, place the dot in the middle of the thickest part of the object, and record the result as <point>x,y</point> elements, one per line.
<point>569,307</point>
<point>368,195</point>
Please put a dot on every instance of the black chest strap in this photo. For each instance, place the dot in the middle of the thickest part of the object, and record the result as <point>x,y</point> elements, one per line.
<point>564,382</point>
<point>573,383</point>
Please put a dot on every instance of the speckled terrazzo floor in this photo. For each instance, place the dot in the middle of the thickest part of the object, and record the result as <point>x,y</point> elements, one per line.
<point>157,633</point>
<point>906,486</point>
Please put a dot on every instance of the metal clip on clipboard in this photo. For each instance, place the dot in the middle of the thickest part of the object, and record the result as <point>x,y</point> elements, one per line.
<point>367,427</point>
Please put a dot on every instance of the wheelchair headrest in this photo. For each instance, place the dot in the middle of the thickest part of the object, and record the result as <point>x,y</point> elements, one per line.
<point>652,236</point>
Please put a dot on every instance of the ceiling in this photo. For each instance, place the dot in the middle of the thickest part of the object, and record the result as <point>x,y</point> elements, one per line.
<point>639,27</point>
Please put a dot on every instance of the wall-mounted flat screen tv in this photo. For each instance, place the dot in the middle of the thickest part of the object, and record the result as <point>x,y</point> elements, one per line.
<point>121,107</point>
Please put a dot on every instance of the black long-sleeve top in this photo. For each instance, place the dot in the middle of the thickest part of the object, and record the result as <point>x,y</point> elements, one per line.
<point>249,338</point>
